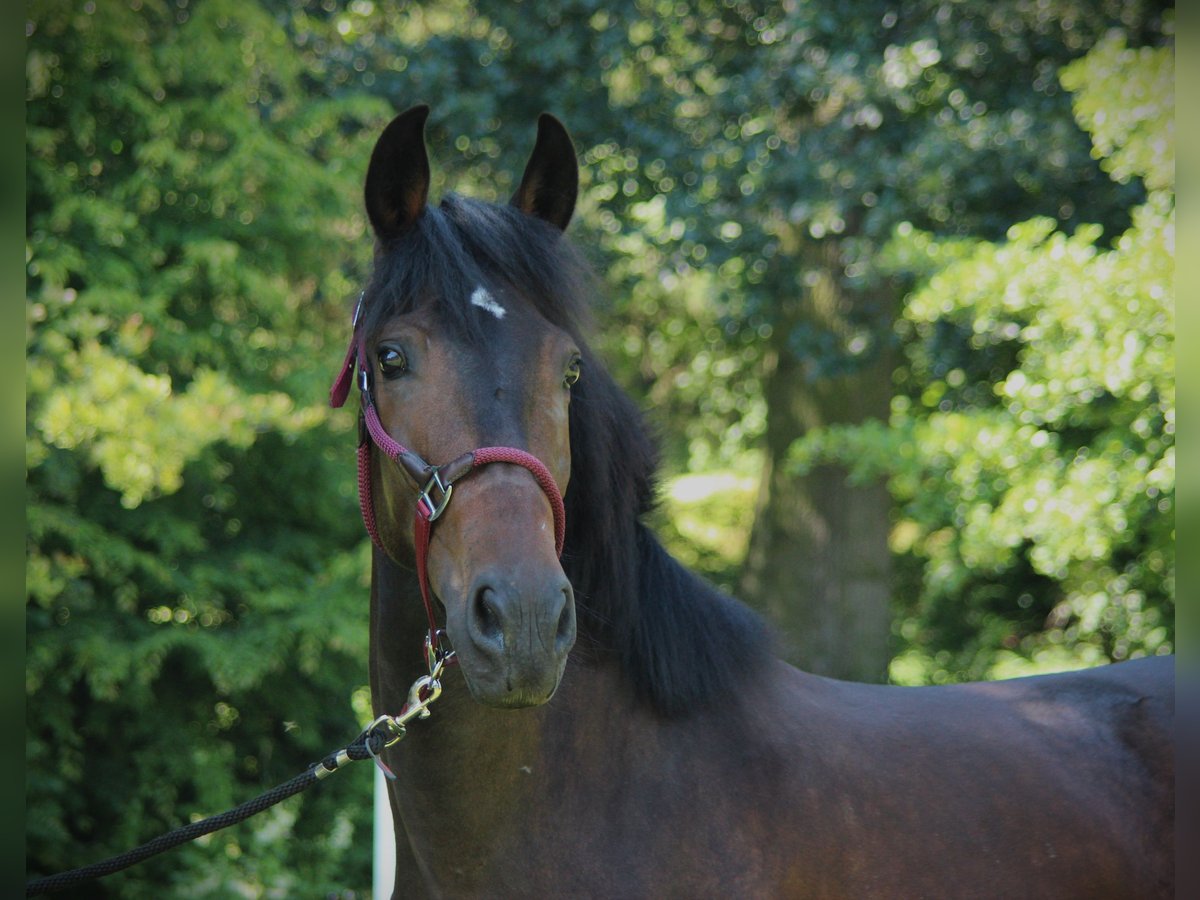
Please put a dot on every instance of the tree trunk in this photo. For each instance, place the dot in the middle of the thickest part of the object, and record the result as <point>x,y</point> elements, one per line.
<point>818,563</point>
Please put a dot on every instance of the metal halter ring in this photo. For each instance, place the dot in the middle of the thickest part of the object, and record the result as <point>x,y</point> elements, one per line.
<point>394,734</point>
<point>393,729</point>
<point>435,509</point>
<point>438,653</point>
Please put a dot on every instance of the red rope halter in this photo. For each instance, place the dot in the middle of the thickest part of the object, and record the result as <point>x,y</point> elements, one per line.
<point>435,483</point>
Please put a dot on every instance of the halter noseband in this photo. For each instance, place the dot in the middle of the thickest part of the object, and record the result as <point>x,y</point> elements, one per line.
<point>435,484</point>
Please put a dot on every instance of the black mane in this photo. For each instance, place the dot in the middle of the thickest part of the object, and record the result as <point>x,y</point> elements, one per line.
<point>680,642</point>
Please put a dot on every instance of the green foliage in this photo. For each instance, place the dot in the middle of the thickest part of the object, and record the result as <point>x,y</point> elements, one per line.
<point>1131,121</point>
<point>725,143</point>
<point>705,521</point>
<point>196,621</point>
<point>1043,459</point>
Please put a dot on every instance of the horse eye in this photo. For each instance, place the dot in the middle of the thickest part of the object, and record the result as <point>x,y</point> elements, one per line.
<point>573,373</point>
<point>392,362</point>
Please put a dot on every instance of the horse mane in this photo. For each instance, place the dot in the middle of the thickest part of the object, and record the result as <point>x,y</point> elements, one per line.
<point>680,642</point>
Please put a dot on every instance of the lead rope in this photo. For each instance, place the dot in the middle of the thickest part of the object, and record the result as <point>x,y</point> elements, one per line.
<point>383,732</point>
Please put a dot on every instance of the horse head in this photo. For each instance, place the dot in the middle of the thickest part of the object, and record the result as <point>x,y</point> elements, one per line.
<point>470,377</point>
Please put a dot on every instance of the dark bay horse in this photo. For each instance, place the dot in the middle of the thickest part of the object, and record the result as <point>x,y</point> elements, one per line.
<point>669,754</point>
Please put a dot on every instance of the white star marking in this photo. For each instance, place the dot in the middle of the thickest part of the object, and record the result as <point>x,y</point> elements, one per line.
<point>485,301</point>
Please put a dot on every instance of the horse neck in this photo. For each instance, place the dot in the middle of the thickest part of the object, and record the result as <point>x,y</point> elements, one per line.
<point>473,781</point>
<point>462,775</point>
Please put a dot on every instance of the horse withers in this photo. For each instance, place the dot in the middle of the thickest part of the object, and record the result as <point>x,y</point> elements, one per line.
<point>616,727</point>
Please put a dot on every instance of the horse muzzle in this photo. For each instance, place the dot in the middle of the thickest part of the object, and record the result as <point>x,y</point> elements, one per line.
<point>512,637</point>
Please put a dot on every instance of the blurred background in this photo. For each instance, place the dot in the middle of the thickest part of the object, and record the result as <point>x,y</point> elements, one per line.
<point>894,282</point>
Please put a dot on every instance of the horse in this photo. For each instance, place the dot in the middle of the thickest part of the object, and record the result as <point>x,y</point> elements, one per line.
<point>613,726</point>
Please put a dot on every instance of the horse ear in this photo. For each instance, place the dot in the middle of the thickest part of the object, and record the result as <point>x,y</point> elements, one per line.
<point>397,186</point>
<point>551,181</point>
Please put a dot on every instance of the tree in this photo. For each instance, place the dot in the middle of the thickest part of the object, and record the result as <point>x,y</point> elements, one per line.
<point>809,133</point>
<point>195,620</point>
<point>1038,453</point>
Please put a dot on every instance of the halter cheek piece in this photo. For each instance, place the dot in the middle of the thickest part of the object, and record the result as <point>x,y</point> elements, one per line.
<point>434,484</point>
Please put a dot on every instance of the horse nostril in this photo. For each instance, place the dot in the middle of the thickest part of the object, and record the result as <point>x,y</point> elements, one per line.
<point>488,622</point>
<point>565,635</point>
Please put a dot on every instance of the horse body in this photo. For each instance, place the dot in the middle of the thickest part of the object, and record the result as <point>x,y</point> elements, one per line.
<point>670,753</point>
<point>796,786</point>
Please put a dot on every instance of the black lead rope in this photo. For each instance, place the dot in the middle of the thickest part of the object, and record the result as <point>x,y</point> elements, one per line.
<point>366,745</point>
